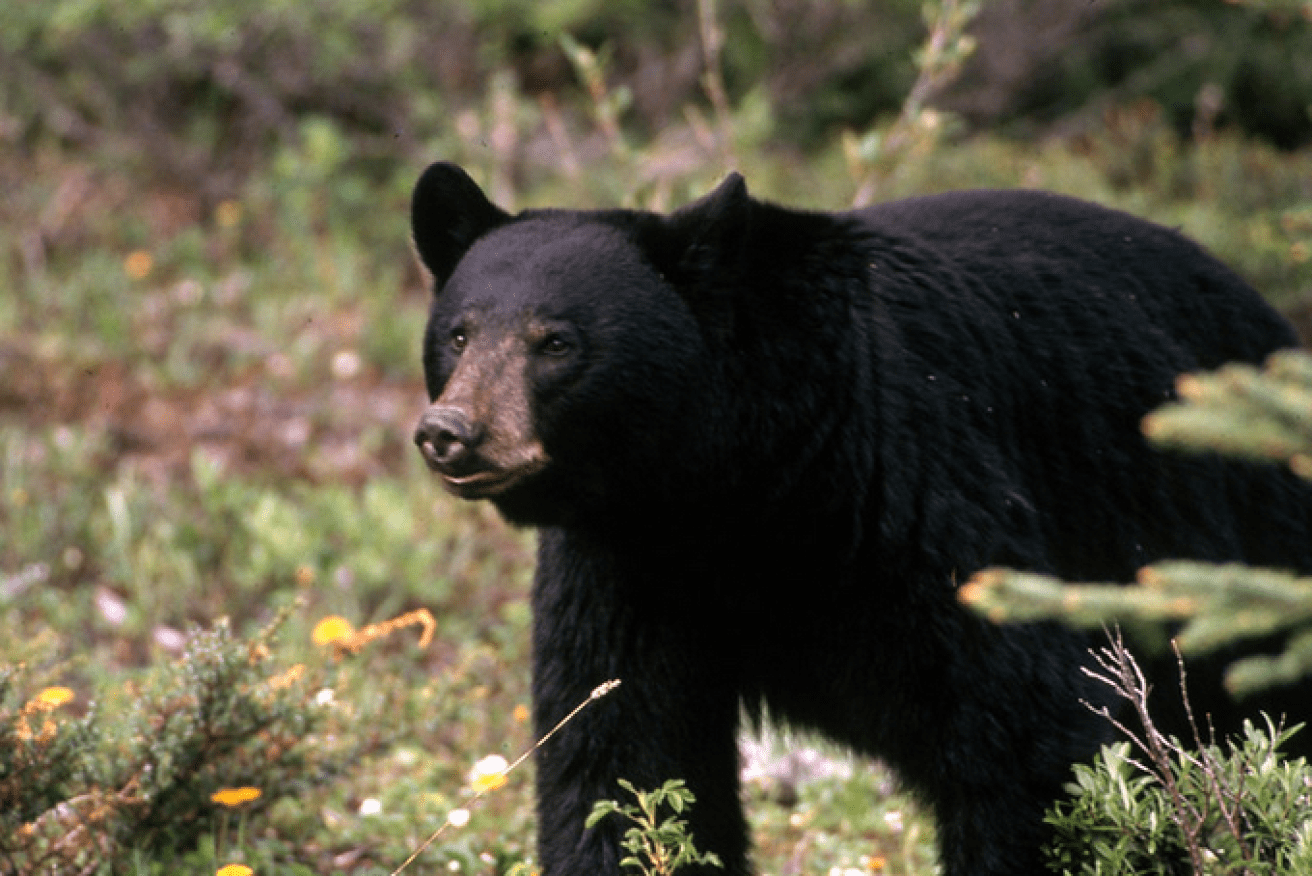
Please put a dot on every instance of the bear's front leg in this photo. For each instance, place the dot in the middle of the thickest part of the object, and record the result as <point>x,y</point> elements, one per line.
<point>674,715</point>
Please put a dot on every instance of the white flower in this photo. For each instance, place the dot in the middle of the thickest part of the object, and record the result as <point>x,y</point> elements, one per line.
<point>458,817</point>
<point>371,806</point>
<point>491,765</point>
<point>346,364</point>
<point>489,773</point>
<point>324,697</point>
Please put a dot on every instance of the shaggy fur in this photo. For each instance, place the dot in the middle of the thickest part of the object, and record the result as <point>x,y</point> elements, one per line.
<point>764,446</point>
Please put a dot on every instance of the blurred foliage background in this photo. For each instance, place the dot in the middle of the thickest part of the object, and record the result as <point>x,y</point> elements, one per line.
<point>209,331</point>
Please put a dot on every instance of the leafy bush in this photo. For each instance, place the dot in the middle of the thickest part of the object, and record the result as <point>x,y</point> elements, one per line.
<point>136,775</point>
<point>1208,65</point>
<point>1159,809</point>
<point>1122,819</point>
<point>200,93</point>
<point>658,845</point>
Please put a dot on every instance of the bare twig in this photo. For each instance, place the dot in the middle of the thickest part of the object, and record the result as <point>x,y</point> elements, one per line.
<point>597,693</point>
<point>1123,675</point>
<point>1227,802</point>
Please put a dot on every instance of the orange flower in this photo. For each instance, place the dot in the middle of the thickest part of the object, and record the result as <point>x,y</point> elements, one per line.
<point>235,796</point>
<point>288,678</point>
<point>138,264</point>
<point>351,641</point>
<point>520,714</point>
<point>227,214</point>
<point>331,629</point>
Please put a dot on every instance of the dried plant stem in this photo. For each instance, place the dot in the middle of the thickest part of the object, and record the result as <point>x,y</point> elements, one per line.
<point>597,693</point>
<point>1226,802</point>
<point>1192,812</point>
<point>1120,672</point>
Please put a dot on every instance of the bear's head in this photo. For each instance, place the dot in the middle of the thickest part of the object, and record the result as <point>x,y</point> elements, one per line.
<point>566,351</point>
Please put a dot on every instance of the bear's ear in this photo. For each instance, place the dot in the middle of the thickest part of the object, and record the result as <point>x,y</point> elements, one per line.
<point>709,234</point>
<point>448,212</point>
<point>700,249</point>
<point>697,244</point>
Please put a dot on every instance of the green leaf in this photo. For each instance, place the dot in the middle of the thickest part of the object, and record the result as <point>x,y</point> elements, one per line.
<point>600,810</point>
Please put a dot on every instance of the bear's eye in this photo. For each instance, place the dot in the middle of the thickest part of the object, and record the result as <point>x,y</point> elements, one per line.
<point>555,345</point>
<point>458,339</point>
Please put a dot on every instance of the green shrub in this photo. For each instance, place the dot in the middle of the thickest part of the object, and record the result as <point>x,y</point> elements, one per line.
<point>140,774</point>
<point>658,844</point>
<point>1157,808</point>
<point>1123,819</point>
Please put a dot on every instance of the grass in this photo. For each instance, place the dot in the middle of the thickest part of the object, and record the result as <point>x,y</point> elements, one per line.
<point>196,430</point>
<point>204,420</point>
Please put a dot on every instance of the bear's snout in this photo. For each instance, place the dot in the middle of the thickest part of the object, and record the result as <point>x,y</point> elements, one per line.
<point>447,438</point>
<point>473,456</point>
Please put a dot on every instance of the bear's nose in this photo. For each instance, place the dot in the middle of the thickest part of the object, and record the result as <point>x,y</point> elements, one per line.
<point>446,437</point>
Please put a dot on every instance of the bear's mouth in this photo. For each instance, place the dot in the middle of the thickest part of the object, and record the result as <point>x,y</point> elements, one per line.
<point>489,482</point>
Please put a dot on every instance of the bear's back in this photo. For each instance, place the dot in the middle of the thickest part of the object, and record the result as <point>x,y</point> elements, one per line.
<point>1027,242</point>
<point>1046,328</point>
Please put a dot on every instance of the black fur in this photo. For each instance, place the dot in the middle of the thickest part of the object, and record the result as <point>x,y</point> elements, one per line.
<point>778,441</point>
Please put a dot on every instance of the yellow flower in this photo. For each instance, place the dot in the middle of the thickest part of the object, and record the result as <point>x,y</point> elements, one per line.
<point>331,629</point>
<point>520,714</point>
<point>47,701</point>
<point>349,641</point>
<point>489,774</point>
<point>54,697</point>
<point>235,796</point>
<point>138,264</point>
<point>489,782</point>
<point>234,870</point>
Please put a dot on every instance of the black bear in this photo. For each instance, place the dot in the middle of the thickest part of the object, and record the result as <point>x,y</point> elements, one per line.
<point>763,447</point>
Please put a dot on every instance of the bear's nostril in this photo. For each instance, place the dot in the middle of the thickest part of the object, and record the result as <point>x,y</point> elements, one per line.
<point>445,436</point>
